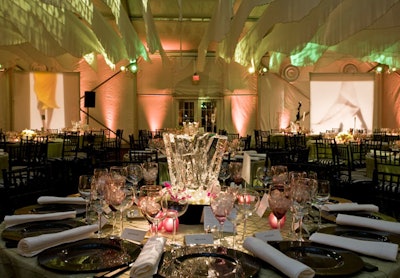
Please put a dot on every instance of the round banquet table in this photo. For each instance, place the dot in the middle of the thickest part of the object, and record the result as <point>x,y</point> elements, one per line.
<point>14,265</point>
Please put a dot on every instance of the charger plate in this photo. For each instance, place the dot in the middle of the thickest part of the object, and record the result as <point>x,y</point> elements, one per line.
<point>89,255</point>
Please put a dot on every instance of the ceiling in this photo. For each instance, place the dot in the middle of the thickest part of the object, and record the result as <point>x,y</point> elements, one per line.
<point>54,35</point>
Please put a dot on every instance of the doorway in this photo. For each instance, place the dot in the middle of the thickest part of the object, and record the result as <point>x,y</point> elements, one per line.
<point>203,111</point>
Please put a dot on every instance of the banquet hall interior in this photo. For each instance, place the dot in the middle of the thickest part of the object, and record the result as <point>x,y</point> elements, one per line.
<point>309,84</point>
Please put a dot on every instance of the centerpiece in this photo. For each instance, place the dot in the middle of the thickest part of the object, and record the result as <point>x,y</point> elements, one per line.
<point>194,160</point>
<point>28,134</point>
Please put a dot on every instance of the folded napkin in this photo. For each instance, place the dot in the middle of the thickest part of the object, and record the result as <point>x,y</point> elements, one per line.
<point>382,250</point>
<point>350,207</point>
<point>11,220</point>
<point>276,258</point>
<point>31,246</point>
<point>61,200</point>
<point>376,224</point>
<point>146,263</point>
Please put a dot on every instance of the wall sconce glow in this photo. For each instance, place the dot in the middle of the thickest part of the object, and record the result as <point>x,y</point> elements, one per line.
<point>251,70</point>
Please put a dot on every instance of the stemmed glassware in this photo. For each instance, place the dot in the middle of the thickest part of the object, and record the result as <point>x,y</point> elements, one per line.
<point>150,203</point>
<point>118,171</point>
<point>134,174</point>
<point>150,172</point>
<point>247,202</point>
<point>84,188</point>
<point>224,172</point>
<point>279,201</point>
<point>279,173</point>
<point>221,206</point>
<point>321,196</point>
<point>264,175</point>
<point>236,172</point>
<point>301,194</point>
<point>175,203</point>
<point>99,184</point>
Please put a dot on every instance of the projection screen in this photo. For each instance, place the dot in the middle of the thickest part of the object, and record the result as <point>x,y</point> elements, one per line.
<point>341,101</point>
<point>45,100</point>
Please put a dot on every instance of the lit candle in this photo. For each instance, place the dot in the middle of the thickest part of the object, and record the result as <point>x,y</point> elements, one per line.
<point>168,224</point>
<point>273,221</point>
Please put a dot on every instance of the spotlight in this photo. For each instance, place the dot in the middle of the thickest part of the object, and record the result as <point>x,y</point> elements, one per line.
<point>133,67</point>
<point>379,69</point>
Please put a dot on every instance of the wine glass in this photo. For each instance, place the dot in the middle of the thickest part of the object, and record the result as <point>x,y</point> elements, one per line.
<point>118,171</point>
<point>134,174</point>
<point>84,188</point>
<point>301,194</point>
<point>264,175</point>
<point>221,206</point>
<point>122,198</point>
<point>224,172</point>
<point>236,172</point>
<point>279,201</point>
<point>175,202</point>
<point>321,196</point>
<point>247,202</point>
<point>150,172</point>
<point>98,187</point>
<point>151,207</point>
<point>279,173</point>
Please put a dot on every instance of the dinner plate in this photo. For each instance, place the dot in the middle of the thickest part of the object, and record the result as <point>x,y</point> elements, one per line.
<point>331,215</point>
<point>50,208</point>
<point>29,229</point>
<point>89,255</point>
<point>361,233</point>
<point>325,260</point>
<point>207,261</point>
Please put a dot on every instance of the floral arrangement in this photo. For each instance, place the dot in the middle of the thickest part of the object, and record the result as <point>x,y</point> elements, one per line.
<point>28,133</point>
<point>344,137</point>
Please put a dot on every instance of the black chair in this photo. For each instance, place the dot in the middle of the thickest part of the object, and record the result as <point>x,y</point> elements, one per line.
<point>387,193</point>
<point>323,148</point>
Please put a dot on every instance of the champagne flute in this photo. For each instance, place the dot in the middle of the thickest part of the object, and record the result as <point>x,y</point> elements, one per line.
<point>279,201</point>
<point>84,188</point>
<point>98,187</point>
<point>221,206</point>
<point>301,195</point>
<point>321,196</point>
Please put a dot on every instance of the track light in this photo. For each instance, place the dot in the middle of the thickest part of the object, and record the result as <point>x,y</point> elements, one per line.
<point>132,67</point>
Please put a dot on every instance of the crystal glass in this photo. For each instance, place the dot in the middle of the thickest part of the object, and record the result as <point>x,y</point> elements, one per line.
<point>279,201</point>
<point>100,182</point>
<point>151,206</point>
<point>122,198</point>
<point>236,172</point>
<point>264,175</point>
<point>134,174</point>
<point>142,194</point>
<point>84,188</point>
<point>224,172</point>
<point>150,172</point>
<point>301,193</point>
<point>118,171</point>
<point>321,196</point>
<point>175,202</point>
<point>279,173</point>
<point>247,202</point>
<point>221,206</point>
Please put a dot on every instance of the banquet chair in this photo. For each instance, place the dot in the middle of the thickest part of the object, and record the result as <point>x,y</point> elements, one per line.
<point>232,136</point>
<point>357,154</point>
<point>71,144</point>
<point>387,193</point>
<point>23,186</point>
<point>324,151</point>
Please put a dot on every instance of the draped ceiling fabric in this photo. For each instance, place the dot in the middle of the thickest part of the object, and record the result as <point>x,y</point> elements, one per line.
<point>235,30</point>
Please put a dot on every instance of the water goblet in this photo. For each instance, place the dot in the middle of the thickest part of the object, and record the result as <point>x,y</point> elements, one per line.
<point>247,202</point>
<point>118,171</point>
<point>236,172</point>
<point>84,188</point>
<point>123,197</point>
<point>98,188</point>
<point>264,175</point>
<point>134,174</point>
<point>175,202</point>
<point>321,196</point>
<point>151,206</point>
<point>279,201</point>
<point>224,172</point>
<point>144,191</point>
<point>279,173</point>
<point>221,206</point>
<point>150,172</point>
<point>301,195</point>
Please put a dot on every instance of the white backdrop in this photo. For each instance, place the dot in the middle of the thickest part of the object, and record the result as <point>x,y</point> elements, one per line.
<point>342,101</point>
